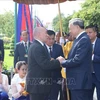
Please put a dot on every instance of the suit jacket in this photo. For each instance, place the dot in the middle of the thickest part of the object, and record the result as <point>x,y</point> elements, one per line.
<point>40,66</point>
<point>96,60</point>
<point>78,64</point>
<point>56,52</point>
<point>20,52</point>
<point>1,50</point>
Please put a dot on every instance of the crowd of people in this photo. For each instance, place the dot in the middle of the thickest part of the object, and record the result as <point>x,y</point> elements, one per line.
<point>53,67</point>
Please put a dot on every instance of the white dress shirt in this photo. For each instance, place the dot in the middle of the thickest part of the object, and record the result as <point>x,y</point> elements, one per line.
<point>26,43</point>
<point>48,48</point>
<point>93,43</point>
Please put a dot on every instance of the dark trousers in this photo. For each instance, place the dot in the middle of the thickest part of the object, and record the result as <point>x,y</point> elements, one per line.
<point>38,96</point>
<point>80,94</point>
<point>95,84</point>
<point>55,91</point>
<point>4,96</point>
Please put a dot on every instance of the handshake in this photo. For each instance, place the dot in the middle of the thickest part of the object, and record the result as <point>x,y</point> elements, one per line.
<point>61,59</point>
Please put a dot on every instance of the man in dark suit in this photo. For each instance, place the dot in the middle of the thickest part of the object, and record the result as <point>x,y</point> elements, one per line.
<point>92,32</point>
<point>1,50</point>
<point>21,49</point>
<point>78,64</point>
<point>40,67</point>
<point>55,50</point>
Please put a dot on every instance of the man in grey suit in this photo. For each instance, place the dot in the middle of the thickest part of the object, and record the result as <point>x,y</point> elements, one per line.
<point>78,64</point>
<point>40,66</point>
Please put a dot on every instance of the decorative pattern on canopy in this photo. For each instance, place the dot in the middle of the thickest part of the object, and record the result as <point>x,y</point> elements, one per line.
<point>41,1</point>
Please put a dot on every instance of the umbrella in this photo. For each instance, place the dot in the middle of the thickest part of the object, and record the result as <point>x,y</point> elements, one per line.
<point>41,1</point>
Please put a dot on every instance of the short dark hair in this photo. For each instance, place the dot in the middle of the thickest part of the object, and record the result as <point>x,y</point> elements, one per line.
<point>50,32</point>
<point>19,64</point>
<point>94,27</point>
<point>77,21</point>
<point>24,31</point>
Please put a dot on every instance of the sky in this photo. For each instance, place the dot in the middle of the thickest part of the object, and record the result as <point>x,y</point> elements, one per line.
<point>46,13</point>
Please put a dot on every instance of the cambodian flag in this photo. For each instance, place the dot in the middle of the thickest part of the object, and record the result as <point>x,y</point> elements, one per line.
<point>24,21</point>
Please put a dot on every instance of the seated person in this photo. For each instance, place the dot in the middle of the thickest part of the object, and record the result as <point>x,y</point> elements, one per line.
<point>17,88</point>
<point>3,85</point>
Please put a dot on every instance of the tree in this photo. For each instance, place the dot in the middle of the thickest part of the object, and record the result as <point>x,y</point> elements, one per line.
<point>90,14</point>
<point>65,24</point>
<point>56,22</point>
<point>7,23</point>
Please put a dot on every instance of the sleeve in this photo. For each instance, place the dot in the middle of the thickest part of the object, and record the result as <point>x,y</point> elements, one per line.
<point>96,58</point>
<point>42,60</point>
<point>15,92</point>
<point>80,54</point>
<point>16,54</point>
<point>5,83</point>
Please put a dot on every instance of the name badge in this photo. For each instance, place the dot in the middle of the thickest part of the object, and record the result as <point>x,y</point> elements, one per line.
<point>25,55</point>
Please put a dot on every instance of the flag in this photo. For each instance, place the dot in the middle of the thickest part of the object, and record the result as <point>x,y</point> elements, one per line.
<point>37,22</point>
<point>24,21</point>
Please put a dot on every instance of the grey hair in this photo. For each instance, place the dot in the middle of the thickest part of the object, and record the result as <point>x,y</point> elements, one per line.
<point>77,21</point>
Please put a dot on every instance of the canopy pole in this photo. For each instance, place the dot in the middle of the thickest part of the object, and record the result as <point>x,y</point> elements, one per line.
<point>60,18</point>
<point>68,97</point>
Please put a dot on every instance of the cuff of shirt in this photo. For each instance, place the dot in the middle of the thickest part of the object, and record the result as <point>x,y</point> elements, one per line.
<point>92,57</point>
<point>63,62</point>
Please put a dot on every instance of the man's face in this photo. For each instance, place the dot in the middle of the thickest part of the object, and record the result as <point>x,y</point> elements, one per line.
<point>91,33</point>
<point>51,40</point>
<point>73,30</point>
<point>57,37</point>
<point>24,36</point>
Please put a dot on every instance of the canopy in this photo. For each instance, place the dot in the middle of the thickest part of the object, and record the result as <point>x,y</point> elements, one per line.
<point>41,1</point>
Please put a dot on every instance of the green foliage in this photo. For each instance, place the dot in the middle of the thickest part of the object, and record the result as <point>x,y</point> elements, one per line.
<point>8,60</point>
<point>65,24</point>
<point>7,23</point>
<point>56,22</point>
<point>90,14</point>
<point>6,46</point>
<point>12,45</point>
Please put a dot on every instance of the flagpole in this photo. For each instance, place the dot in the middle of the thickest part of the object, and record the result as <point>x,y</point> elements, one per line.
<point>15,22</point>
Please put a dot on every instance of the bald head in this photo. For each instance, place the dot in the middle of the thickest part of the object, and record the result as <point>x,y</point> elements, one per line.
<point>40,33</point>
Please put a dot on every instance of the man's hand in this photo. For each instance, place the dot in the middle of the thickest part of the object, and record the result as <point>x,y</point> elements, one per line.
<point>61,59</point>
<point>52,59</point>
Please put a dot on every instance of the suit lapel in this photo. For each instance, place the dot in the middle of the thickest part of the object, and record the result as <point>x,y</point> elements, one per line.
<point>96,45</point>
<point>22,46</point>
<point>45,48</point>
<point>53,51</point>
<point>75,44</point>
